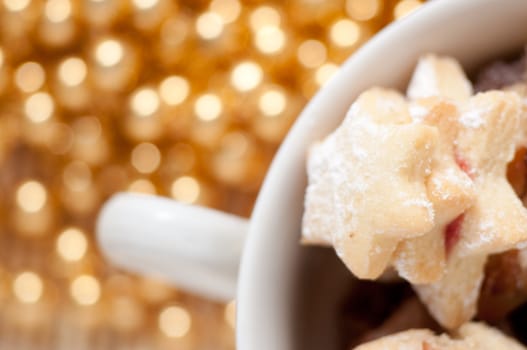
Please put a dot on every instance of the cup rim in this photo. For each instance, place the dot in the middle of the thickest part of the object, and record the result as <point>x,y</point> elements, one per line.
<point>303,132</point>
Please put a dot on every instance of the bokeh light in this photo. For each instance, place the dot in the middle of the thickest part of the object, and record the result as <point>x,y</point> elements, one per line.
<point>208,107</point>
<point>209,25</point>
<point>264,16</point>
<point>325,72</point>
<point>31,196</point>
<point>405,7</point>
<point>345,32</point>
<point>145,4</point>
<point>246,76</point>
<point>109,52</point>
<point>270,39</point>
<point>142,186</point>
<point>85,290</point>
<point>174,90</point>
<point>30,76</point>
<point>39,107</point>
<point>363,10</point>
<point>57,10</point>
<point>185,189</point>
<point>174,321</point>
<point>146,157</point>
<point>28,287</point>
<point>272,103</point>
<point>230,313</point>
<point>145,102</point>
<point>16,5</point>
<point>72,71</point>
<point>311,53</point>
<point>72,244</point>
<point>229,10</point>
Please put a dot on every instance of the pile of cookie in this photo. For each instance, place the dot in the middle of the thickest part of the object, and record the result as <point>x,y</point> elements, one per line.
<point>421,184</point>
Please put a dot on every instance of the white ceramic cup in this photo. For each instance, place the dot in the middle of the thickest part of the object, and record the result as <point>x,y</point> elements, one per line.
<point>288,295</point>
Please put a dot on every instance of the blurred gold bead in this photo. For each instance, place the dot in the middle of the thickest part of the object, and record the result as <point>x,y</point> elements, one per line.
<point>272,129</point>
<point>146,158</point>
<point>1,57</point>
<point>264,16</point>
<point>144,102</point>
<point>345,32</point>
<point>145,4</point>
<point>28,287</point>
<point>185,189</point>
<point>109,52</point>
<point>29,77</point>
<point>31,196</point>
<point>142,186</point>
<point>72,71</point>
<point>57,28</point>
<point>104,12</point>
<point>72,89</point>
<point>57,10</point>
<point>311,53</point>
<point>230,313</point>
<point>272,102</point>
<point>116,64</point>
<point>209,25</point>
<point>208,107</point>
<point>229,10</point>
<point>71,244</point>
<point>85,290</point>
<point>174,322</point>
<point>16,5</point>
<point>174,90</point>
<point>149,14</point>
<point>39,107</point>
<point>246,76</point>
<point>405,7</point>
<point>270,39</point>
<point>325,72</point>
<point>363,10</point>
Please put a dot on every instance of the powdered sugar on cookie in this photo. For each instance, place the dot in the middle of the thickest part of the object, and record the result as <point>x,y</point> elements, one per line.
<point>419,183</point>
<point>472,336</point>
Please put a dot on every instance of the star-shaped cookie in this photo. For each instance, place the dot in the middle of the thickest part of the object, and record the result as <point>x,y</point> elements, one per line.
<point>471,336</point>
<point>421,185</point>
<point>487,134</point>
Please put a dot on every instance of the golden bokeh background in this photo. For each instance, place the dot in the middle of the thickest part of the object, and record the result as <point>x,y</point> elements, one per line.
<point>188,99</point>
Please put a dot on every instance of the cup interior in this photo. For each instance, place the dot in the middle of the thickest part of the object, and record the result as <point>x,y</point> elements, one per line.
<point>289,295</point>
